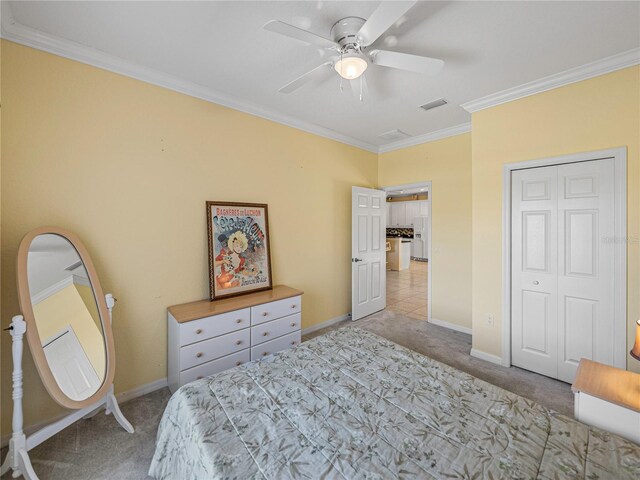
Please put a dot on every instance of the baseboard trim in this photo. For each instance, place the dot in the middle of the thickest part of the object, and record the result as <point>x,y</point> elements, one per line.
<point>141,390</point>
<point>122,398</point>
<point>451,326</point>
<point>325,324</point>
<point>487,357</point>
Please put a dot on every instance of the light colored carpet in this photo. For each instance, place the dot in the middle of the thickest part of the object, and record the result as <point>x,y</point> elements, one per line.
<point>98,448</point>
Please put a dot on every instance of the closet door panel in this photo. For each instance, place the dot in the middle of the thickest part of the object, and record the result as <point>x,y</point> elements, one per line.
<point>585,258</point>
<point>534,272</point>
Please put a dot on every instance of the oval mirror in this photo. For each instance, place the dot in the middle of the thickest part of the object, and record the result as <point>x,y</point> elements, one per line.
<point>68,325</point>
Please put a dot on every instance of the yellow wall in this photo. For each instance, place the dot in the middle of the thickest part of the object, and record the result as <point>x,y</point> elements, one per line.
<point>599,113</point>
<point>447,163</point>
<point>64,308</point>
<point>86,293</point>
<point>128,167</point>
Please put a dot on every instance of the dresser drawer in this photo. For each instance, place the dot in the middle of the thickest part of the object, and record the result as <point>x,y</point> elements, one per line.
<point>202,352</point>
<point>275,328</point>
<point>280,308</point>
<point>215,366</point>
<point>209,327</point>
<point>283,343</point>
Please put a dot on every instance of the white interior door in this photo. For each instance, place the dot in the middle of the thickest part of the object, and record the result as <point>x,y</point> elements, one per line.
<point>70,365</point>
<point>368,254</point>
<point>585,264</point>
<point>562,267</point>
<point>534,282</point>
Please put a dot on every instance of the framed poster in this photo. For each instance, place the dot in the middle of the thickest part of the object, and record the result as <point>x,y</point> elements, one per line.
<point>239,256</point>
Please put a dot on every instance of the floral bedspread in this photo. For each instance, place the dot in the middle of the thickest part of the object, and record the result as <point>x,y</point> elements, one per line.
<point>351,405</point>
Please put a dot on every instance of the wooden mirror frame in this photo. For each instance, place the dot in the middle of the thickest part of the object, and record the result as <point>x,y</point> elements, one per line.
<point>33,337</point>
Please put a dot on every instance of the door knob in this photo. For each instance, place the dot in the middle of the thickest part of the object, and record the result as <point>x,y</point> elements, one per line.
<point>357,260</point>
<point>536,282</point>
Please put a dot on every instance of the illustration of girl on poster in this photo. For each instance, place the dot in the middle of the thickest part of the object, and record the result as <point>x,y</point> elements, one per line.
<point>238,248</point>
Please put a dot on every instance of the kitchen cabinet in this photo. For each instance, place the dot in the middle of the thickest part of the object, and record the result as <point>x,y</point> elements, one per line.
<point>412,210</point>
<point>398,213</point>
<point>401,214</point>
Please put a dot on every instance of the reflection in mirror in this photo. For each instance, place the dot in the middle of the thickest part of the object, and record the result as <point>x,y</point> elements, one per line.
<point>66,314</point>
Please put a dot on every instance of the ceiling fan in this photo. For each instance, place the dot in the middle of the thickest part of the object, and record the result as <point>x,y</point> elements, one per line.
<point>352,41</point>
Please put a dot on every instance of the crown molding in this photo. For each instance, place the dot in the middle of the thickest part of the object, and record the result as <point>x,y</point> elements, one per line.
<point>577,74</point>
<point>18,33</point>
<point>59,286</point>
<point>427,137</point>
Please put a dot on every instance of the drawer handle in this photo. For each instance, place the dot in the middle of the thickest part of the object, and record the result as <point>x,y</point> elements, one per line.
<point>264,314</point>
<point>265,334</point>
<point>293,343</point>
<point>264,354</point>
<point>199,377</point>
<point>199,354</point>
<point>239,320</point>
<point>293,324</point>
<point>238,363</point>
<point>239,342</point>
<point>198,331</point>
<point>293,306</point>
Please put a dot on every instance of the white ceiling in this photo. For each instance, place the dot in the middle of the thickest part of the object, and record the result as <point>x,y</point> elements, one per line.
<point>49,257</point>
<point>221,46</point>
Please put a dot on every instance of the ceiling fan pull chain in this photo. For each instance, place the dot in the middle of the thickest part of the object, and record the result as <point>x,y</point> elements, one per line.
<point>341,90</point>
<point>361,76</point>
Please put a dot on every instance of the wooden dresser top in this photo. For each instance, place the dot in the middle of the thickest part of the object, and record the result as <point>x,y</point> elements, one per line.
<point>608,383</point>
<point>205,308</point>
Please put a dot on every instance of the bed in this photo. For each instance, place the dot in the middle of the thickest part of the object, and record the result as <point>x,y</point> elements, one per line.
<point>350,405</point>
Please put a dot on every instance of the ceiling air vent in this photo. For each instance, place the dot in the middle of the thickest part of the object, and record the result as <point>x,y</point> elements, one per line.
<point>433,104</point>
<point>393,135</point>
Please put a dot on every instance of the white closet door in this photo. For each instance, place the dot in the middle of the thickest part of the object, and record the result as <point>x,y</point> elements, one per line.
<point>534,270</point>
<point>585,260</point>
<point>562,274</point>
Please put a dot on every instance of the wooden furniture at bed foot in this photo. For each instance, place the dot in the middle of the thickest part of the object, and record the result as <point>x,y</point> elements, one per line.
<point>207,337</point>
<point>608,398</point>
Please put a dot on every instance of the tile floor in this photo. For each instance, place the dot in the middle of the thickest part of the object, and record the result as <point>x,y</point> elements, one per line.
<point>407,291</point>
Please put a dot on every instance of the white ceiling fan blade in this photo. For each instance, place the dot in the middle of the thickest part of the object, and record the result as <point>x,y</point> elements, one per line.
<point>299,34</point>
<point>379,22</point>
<point>310,75</point>
<point>406,61</point>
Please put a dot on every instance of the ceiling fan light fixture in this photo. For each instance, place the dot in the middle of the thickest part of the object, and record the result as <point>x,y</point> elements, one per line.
<point>350,67</point>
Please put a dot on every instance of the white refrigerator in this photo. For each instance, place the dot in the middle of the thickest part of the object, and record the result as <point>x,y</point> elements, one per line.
<point>419,246</point>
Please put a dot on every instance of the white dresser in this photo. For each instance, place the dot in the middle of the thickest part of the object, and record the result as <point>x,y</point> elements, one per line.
<point>208,337</point>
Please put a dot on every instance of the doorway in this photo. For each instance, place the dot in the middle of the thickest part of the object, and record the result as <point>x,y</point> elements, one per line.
<point>409,260</point>
<point>565,273</point>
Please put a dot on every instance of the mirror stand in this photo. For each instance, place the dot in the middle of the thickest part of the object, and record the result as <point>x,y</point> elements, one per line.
<point>17,458</point>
